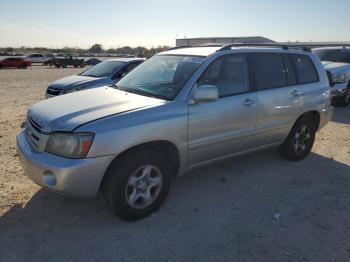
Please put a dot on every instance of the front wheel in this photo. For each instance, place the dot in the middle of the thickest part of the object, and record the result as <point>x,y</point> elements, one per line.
<point>300,140</point>
<point>137,184</point>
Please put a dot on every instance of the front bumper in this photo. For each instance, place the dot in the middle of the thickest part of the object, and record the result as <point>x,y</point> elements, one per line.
<point>339,90</point>
<point>72,177</point>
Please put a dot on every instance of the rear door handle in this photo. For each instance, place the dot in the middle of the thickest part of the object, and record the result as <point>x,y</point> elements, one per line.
<point>248,102</point>
<point>295,93</point>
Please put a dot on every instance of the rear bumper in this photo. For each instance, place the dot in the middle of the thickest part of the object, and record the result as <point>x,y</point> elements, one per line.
<point>72,177</point>
<point>325,116</point>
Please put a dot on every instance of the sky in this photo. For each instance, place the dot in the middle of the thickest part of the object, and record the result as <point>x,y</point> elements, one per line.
<point>114,23</point>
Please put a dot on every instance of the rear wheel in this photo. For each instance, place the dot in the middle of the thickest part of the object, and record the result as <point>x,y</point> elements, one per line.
<point>300,140</point>
<point>137,184</point>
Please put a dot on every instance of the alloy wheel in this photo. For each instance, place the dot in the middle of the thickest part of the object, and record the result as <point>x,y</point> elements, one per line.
<point>143,186</point>
<point>301,137</point>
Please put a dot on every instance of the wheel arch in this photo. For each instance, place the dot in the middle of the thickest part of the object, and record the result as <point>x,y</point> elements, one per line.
<point>315,115</point>
<point>166,148</point>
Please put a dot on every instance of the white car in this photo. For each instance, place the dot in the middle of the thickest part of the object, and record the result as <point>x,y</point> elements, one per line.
<point>38,58</point>
<point>336,61</point>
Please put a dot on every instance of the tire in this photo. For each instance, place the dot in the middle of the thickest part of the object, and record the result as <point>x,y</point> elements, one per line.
<point>24,66</point>
<point>129,180</point>
<point>300,139</point>
<point>57,66</point>
<point>344,100</point>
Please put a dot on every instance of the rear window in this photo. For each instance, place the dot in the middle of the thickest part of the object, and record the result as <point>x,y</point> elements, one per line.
<point>305,69</point>
<point>269,71</point>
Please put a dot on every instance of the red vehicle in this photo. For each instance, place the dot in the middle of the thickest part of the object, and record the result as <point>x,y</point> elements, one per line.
<point>18,62</point>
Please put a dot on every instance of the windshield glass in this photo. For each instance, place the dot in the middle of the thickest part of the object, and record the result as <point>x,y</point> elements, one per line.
<point>334,55</point>
<point>161,76</point>
<point>103,69</point>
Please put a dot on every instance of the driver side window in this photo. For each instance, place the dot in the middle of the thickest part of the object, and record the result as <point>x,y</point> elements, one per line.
<point>229,73</point>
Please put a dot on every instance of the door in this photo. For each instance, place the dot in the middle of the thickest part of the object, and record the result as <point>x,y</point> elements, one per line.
<point>11,62</point>
<point>279,99</point>
<point>226,126</point>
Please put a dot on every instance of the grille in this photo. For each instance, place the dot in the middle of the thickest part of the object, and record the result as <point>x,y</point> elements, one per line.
<point>53,91</point>
<point>34,134</point>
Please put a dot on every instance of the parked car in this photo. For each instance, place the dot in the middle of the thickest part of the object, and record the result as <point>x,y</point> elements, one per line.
<point>49,59</point>
<point>336,60</point>
<point>65,61</point>
<point>38,58</point>
<point>179,110</point>
<point>17,62</point>
<point>92,61</point>
<point>105,73</point>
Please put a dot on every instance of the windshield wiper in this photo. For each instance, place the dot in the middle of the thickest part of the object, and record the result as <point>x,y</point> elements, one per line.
<point>143,92</point>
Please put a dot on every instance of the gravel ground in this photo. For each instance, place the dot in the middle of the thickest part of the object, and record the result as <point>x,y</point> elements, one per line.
<point>258,207</point>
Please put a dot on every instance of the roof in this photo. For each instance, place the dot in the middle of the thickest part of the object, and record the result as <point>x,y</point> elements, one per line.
<point>208,50</point>
<point>126,59</point>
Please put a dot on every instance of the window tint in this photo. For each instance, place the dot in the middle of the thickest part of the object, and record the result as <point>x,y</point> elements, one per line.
<point>305,69</point>
<point>269,71</point>
<point>290,72</point>
<point>229,74</point>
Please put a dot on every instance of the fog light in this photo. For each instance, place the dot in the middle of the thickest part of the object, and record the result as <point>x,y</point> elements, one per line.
<point>49,178</point>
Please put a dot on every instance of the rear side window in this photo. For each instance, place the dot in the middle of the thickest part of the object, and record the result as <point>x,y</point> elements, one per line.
<point>305,69</point>
<point>290,72</point>
<point>269,71</point>
<point>229,74</point>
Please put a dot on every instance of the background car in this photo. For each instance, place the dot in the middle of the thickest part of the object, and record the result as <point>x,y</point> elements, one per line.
<point>66,61</point>
<point>108,72</point>
<point>18,62</point>
<point>92,61</point>
<point>37,58</point>
<point>336,60</point>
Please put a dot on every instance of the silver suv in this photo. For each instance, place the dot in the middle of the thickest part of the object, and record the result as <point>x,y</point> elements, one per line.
<point>179,110</point>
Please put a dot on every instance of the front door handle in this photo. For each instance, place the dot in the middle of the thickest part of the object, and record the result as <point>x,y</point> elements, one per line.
<point>248,102</point>
<point>295,93</point>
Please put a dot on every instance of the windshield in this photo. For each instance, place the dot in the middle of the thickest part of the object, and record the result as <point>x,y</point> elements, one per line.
<point>334,55</point>
<point>161,76</point>
<point>104,69</point>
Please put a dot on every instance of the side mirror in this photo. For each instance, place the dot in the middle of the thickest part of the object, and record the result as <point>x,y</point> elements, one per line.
<point>205,93</point>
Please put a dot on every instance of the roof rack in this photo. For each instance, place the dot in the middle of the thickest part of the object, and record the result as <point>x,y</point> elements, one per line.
<point>282,46</point>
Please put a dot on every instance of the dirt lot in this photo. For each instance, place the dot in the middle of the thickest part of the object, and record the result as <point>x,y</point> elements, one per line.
<point>256,208</point>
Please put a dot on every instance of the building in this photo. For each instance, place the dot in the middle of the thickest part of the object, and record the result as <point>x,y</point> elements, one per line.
<point>317,44</point>
<point>222,40</point>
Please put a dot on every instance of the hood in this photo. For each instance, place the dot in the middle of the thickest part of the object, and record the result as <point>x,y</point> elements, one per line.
<point>67,112</point>
<point>335,67</point>
<point>74,81</point>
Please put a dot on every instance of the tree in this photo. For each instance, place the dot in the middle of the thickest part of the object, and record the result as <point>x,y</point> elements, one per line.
<point>96,48</point>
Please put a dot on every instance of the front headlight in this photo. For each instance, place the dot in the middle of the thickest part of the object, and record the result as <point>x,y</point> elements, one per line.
<point>70,145</point>
<point>339,78</point>
<point>75,89</point>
